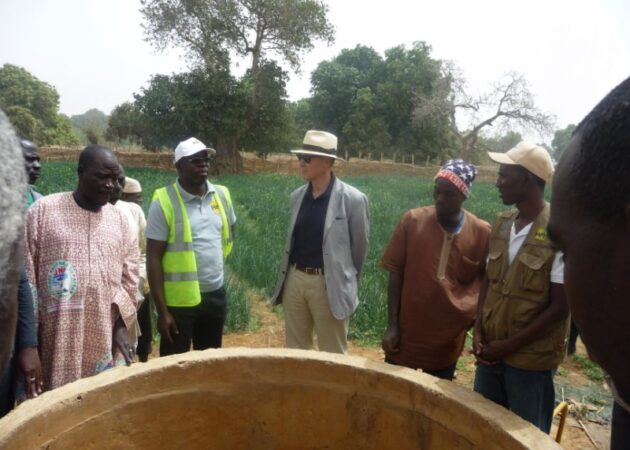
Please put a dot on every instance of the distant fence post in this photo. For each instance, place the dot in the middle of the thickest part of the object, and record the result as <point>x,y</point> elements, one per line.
<point>381,156</point>
<point>413,159</point>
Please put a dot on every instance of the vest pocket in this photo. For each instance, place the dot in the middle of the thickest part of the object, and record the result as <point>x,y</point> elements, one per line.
<point>493,270</point>
<point>533,277</point>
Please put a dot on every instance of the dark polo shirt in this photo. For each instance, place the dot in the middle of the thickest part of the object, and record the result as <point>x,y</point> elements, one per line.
<point>308,232</point>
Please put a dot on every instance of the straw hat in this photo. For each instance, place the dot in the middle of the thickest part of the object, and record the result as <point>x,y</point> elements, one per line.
<point>319,143</point>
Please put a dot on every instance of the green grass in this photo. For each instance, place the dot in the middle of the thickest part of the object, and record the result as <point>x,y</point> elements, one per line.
<point>262,209</point>
<point>590,368</point>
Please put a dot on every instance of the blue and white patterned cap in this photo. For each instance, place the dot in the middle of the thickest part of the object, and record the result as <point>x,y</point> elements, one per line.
<point>460,173</point>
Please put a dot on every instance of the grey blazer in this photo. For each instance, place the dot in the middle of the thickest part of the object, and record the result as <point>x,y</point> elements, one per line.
<point>345,246</point>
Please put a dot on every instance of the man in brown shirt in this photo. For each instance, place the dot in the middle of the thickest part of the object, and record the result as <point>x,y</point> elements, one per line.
<point>435,260</point>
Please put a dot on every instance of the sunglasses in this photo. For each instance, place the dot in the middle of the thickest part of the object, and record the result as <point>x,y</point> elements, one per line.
<point>197,160</point>
<point>305,158</point>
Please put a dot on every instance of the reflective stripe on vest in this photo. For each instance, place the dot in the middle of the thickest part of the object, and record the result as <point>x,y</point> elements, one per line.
<point>179,265</point>
<point>224,205</point>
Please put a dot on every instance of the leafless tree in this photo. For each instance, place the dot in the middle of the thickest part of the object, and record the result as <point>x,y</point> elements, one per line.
<point>508,104</point>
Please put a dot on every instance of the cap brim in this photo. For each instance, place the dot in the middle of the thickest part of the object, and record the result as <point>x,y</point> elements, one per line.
<point>300,151</point>
<point>501,158</point>
<point>210,151</point>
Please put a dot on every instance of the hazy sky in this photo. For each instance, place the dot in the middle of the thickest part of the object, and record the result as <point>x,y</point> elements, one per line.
<point>572,52</point>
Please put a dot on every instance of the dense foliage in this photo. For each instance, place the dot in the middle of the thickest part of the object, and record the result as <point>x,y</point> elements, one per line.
<point>32,106</point>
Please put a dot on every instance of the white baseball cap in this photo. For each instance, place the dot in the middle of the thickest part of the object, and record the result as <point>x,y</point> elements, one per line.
<point>530,156</point>
<point>190,147</point>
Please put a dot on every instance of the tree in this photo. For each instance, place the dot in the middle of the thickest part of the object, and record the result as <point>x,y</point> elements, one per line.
<point>508,103</point>
<point>359,89</point>
<point>211,31</point>
<point>409,73</point>
<point>365,131</point>
<point>334,86</point>
<point>561,139</point>
<point>125,124</point>
<point>91,125</point>
<point>268,130</point>
<point>63,133</point>
<point>32,107</point>
<point>301,119</point>
<point>500,142</point>
<point>210,106</point>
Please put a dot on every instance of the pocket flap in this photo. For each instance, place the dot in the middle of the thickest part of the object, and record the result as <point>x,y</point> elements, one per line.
<point>532,261</point>
<point>467,260</point>
<point>494,255</point>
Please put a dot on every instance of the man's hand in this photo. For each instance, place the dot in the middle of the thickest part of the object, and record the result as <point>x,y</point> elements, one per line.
<point>495,351</point>
<point>30,371</point>
<point>391,340</point>
<point>478,347</point>
<point>166,325</point>
<point>121,342</point>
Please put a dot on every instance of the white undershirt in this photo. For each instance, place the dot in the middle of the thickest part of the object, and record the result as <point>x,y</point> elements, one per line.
<point>516,241</point>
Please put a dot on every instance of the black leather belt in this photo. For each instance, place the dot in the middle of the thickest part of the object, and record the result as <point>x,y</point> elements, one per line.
<point>309,270</point>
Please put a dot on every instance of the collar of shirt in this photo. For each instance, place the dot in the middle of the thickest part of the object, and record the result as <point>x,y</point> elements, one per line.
<point>524,231</point>
<point>458,226</point>
<point>309,190</point>
<point>188,197</point>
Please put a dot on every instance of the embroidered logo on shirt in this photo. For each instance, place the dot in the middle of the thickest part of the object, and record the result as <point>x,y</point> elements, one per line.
<point>108,361</point>
<point>62,280</point>
<point>214,205</point>
<point>541,234</point>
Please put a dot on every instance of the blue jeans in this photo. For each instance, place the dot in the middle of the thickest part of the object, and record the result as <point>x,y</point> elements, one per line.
<point>528,393</point>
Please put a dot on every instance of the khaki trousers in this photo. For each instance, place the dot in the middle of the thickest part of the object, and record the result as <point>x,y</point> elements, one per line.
<point>306,309</point>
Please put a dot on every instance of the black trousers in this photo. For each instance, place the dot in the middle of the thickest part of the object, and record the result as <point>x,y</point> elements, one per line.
<point>573,335</point>
<point>144,322</point>
<point>7,385</point>
<point>202,324</point>
<point>620,436</point>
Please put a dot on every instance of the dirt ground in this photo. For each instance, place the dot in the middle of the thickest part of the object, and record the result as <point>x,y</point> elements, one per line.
<point>579,433</point>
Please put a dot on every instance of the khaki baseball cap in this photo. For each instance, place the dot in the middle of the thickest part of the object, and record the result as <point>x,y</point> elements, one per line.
<point>530,156</point>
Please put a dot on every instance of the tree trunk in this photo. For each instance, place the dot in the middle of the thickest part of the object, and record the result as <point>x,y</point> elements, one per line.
<point>228,158</point>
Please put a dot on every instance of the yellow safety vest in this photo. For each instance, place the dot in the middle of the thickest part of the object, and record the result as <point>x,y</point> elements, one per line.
<point>179,265</point>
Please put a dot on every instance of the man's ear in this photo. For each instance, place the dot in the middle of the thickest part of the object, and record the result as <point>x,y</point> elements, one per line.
<point>79,169</point>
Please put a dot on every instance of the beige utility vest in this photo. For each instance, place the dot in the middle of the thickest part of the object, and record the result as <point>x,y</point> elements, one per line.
<point>519,292</point>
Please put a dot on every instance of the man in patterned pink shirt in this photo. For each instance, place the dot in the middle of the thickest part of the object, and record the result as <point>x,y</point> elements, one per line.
<point>83,260</point>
